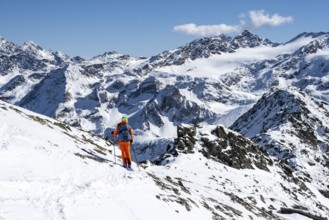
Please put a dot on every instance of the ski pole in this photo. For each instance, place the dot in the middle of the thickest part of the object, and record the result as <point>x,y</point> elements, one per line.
<point>115,158</point>
<point>112,142</point>
<point>135,154</point>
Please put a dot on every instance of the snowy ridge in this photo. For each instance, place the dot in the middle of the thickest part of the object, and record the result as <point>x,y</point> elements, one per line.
<point>53,171</point>
<point>294,128</point>
<point>208,46</point>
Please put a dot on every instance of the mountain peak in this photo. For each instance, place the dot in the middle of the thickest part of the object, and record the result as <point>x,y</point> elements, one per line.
<point>6,46</point>
<point>248,39</point>
<point>2,41</point>
<point>33,49</point>
<point>31,45</point>
<point>246,33</point>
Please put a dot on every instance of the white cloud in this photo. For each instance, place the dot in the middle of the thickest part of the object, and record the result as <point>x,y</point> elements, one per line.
<point>254,19</point>
<point>261,18</point>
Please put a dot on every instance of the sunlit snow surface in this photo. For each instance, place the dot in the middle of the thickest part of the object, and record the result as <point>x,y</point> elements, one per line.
<point>43,176</point>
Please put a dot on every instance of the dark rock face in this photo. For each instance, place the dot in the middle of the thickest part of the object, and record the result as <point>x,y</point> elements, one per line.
<point>151,113</point>
<point>13,84</point>
<point>229,148</point>
<point>235,150</point>
<point>6,65</point>
<point>148,86</point>
<point>186,139</point>
<point>180,110</point>
<point>325,193</point>
<point>54,81</point>
<point>92,70</point>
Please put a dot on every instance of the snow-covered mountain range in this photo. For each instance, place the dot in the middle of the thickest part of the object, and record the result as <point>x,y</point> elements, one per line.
<point>181,103</point>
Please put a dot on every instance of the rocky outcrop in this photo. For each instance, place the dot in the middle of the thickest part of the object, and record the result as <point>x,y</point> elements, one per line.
<point>186,139</point>
<point>224,146</point>
<point>235,150</point>
<point>301,212</point>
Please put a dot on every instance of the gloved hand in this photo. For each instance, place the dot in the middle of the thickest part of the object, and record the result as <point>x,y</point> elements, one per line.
<point>112,132</point>
<point>131,141</point>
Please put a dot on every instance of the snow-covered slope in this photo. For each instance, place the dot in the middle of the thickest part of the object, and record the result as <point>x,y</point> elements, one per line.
<point>53,171</point>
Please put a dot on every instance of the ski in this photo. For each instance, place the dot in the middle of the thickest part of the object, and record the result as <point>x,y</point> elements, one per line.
<point>129,168</point>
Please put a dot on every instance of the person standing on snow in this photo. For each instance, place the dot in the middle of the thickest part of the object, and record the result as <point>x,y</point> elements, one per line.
<point>125,135</point>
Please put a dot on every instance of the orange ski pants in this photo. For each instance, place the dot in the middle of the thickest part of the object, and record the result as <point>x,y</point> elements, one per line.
<point>125,152</point>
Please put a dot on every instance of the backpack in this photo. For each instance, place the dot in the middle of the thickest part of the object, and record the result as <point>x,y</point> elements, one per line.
<point>124,134</point>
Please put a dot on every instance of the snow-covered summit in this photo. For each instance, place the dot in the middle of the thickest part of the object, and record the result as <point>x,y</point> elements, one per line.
<point>247,39</point>
<point>6,46</point>
<point>35,50</point>
<point>209,46</point>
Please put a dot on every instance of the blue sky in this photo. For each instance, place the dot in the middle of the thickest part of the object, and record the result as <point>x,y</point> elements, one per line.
<point>148,27</point>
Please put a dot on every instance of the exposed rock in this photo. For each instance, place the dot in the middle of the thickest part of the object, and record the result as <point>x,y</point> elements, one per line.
<point>186,139</point>
<point>301,212</point>
<point>235,150</point>
<point>325,193</point>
